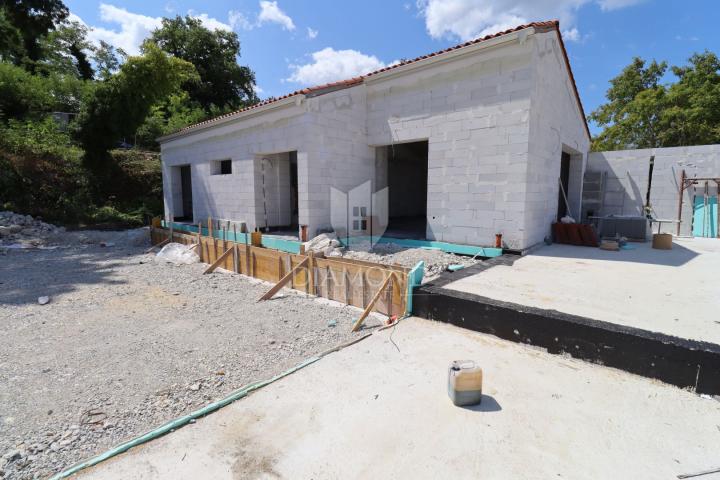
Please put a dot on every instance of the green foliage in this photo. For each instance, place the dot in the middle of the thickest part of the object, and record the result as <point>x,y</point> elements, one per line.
<point>106,59</point>
<point>119,105</point>
<point>42,137</point>
<point>28,22</point>
<point>23,94</point>
<point>64,51</point>
<point>42,173</point>
<point>223,83</point>
<point>642,113</point>
<point>176,112</point>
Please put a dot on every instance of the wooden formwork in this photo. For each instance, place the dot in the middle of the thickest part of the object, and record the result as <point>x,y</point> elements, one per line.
<point>352,282</point>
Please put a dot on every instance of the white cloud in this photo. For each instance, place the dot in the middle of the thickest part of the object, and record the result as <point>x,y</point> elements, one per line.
<point>573,35</point>
<point>271,13</point>
<point>311,33</point>
<point>210,22</point>
<point>239,20</point>
<point>329,65</point>
<point>133,28</point>
<point>468,19</point>
<point>607,5</point>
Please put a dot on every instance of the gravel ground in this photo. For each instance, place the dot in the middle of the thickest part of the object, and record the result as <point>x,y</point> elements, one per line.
<point>436,261</point>
<point>126,344</point>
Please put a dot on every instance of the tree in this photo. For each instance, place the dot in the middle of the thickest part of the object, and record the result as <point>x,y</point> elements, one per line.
<point>118,106</point>
<point>223,83</point>
<point>692,115</point>
<point>107,59</point>
<point>176,112</point>
<point>642,113</point>
<point>32,20</point>
<point>630,117</point>
<point>64,51</point>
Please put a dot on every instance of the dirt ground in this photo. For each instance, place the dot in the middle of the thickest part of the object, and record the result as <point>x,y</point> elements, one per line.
<point>126,343</point>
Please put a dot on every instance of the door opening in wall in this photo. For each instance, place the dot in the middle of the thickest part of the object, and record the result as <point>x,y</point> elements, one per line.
<point>186,195</point>
<point>407,177</point>
<point>565,182</point>
<point>278,184</point>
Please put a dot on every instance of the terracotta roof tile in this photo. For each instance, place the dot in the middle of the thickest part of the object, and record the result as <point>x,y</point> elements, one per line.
<point>319,89</point>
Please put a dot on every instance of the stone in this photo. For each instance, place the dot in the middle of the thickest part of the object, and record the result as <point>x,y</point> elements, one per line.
<point>44,300</point>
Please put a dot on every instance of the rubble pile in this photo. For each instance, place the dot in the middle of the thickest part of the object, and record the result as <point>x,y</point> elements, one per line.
<point>25,230</point>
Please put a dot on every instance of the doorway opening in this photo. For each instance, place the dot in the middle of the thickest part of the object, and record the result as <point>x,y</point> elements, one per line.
<point>183,201</point>
<point>565,183</point>
<point>278,192</point>
<point>406,171</point>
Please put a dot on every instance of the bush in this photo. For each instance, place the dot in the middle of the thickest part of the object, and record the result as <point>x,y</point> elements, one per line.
<point>42,174</point>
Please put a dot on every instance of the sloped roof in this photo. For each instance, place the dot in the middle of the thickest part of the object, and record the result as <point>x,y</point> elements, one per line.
<point>351,82</point>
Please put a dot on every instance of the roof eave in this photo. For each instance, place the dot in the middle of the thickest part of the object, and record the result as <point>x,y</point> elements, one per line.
<point>243,115</point>
<point>449,56</point>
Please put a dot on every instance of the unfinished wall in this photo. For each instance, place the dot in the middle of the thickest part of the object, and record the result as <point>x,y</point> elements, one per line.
<point>233,197</point>
<point>556,126</point>
<point>474,113</point>
<point>338,154</point>
<point>627,179</point>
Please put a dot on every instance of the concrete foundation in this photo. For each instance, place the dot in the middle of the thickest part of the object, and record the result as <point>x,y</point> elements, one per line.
<point>380,409</point>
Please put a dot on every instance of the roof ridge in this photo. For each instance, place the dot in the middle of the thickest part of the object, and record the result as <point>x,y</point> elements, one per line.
<point>350,82</point>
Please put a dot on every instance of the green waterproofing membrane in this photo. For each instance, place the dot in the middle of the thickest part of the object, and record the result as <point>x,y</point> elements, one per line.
<point>414,279</point>
<point>268,241</point>
<point>470,250</point>
<point>179,422</point>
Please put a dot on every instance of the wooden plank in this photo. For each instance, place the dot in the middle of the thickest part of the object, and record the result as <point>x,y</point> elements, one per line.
<point>217,262</point>
<point>389,299</point>
<point>311,273</point>
<point>276,288</point>
<point>346,283</point>
<point>364,290</point>
<point>236,259</point>
<point>366,312</point>
<point>328,288</point>
<point>247,260</point>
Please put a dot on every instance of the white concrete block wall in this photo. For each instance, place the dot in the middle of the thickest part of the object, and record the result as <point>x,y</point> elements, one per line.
<point>474,113</point>
<point>233,197</point>
<point>627,173</point>
<point>338,154</point>
<point>556,126</point>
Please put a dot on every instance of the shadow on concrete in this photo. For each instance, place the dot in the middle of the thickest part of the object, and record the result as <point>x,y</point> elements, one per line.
<point>21,282</point>
<point>638,253</point>
<point>487,404</point>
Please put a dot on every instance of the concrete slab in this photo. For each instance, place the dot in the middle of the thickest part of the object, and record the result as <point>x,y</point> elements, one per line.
<point>676,292</point>
<point>376,411</point>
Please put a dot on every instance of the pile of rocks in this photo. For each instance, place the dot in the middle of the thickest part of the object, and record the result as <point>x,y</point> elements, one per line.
<point>325,243</point>
<point>436,261</point>
<point>24,229</point>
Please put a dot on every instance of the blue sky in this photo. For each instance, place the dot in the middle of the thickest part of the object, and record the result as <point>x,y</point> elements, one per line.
<point>294,43</point>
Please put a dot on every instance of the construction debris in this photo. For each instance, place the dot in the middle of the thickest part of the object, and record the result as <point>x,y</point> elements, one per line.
<point>178,254</point>
<point>325,243</point>
<point>25,230</point>
<point>436,261</point>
